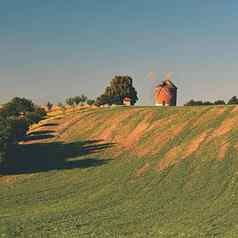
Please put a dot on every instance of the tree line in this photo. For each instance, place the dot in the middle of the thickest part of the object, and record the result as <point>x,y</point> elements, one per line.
<point>120,87</point>
<point>72,102</point>
<point>192,102</point>
<point>16,117</point>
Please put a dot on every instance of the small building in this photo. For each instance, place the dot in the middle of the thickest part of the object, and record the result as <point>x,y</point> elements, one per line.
<point>166,94</point>
<point>127,101</point>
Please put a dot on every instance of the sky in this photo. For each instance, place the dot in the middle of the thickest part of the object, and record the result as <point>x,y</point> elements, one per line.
<point>53,49</point>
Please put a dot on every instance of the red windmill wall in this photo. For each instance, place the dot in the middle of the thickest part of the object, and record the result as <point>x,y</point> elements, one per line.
<point>166,94</point>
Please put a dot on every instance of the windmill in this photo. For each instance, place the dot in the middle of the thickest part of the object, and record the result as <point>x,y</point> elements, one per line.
<point>166,92</point>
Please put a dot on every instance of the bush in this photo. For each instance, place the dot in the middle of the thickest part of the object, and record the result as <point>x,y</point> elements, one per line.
<point>36,116</point>
<point>7,138</point>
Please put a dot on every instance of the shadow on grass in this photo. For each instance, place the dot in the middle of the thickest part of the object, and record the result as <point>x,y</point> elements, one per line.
<point>35,133</point>
<point>49,124</point>
<point>39,135</point>
<point>42,157</point>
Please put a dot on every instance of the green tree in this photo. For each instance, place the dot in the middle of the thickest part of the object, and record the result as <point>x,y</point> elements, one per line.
<point>70,101</point>
<point>77,100</point>
<point>36,116</point>
<point>90,102</point>
<point>219,102</point>
<point>120,87</point>
<point>49,106</point>
<point>192,102</point>
<point>233,100</point>
<point>83,98</point>
<point>207,103</point>
<point>61,106</point>
<point>15,118</point>
<point>18,107</point>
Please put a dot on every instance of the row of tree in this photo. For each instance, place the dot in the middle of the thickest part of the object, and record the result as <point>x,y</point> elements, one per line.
<point>79,100</point>
<point>72,102</point>
<point>16,117</point>
<point>119,88</point>
<point>232,101</point>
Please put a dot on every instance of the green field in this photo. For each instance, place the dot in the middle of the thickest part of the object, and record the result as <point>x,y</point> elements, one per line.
<point>126,172</point>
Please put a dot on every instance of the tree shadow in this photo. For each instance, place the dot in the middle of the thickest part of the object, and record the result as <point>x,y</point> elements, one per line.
<point>39,135</point>
<point>34,133</point>
<point>49,124</point>
<point>42,157</point>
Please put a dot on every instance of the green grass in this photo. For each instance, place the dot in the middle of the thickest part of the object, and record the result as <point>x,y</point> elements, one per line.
<point>80,188</point>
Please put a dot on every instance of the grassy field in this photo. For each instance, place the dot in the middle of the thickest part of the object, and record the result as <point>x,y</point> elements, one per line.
<point>125,172</point>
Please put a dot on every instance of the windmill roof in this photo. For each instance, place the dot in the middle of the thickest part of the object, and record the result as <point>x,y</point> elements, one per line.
<point>167,83</point>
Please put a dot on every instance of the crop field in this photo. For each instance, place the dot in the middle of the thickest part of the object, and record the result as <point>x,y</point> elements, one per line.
<point>125,172</point>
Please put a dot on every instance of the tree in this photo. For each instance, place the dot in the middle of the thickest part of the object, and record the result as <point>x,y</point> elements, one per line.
<point>62,107</point>
<point>69,101</point>
<point>15,118</point>
<point>120,87</point>
<point>77,100</point>
<point>36,116</point>
<point>192,102</point>
<point>49,106</point>
<point>219,102</point>
<point>83,98</point>
<point>207,103</point>
<point>17,107</point>
<point>233,100</point>
<point>90,102</point>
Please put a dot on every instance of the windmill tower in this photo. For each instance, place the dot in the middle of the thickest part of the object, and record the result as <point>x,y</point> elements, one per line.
<point>166,92</point>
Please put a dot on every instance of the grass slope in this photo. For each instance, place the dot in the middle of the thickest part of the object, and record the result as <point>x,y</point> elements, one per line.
<point>126,172</point>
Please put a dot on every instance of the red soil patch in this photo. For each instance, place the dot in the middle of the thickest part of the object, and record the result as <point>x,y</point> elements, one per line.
<point>222,151</point>
<point>226,126</point>
<point>181,152</point>
<point>194,145</point>
<point>235,109</point>
<point>162,123</point>
<point>236,146</point>
<point>143,170</point>
<point>169,159</point>
<point>8,180</point>
<point>160,139</point>
<point>136,134</point>
<point>209,115</point>
<point>113,123</point>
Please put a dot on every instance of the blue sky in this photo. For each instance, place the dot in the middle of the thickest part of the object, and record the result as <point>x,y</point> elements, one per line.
<point>52,49</point>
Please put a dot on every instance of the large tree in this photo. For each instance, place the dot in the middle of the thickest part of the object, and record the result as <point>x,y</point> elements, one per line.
<point>120,87</point>
<point>17,107</point>
<point>233,100</point>
<point>15,118</point>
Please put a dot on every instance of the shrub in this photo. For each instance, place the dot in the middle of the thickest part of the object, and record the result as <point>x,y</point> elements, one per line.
<point>7,137</point>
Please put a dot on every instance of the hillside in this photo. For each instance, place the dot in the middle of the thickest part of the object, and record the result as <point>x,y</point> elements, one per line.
<point>125,172</point>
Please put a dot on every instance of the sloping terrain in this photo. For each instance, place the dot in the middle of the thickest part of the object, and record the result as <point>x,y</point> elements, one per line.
<point>125,172</point>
